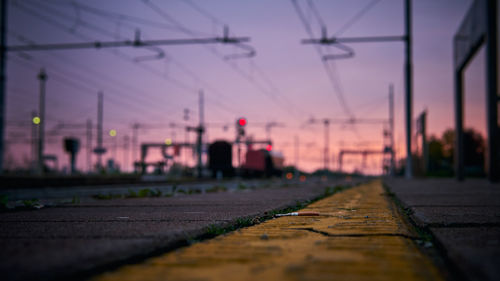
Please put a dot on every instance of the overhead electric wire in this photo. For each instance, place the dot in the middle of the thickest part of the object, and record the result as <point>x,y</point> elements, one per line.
<point>315,12</point>
<point>259,70</point>
<point>186,70</point>
<point>78,85</point>
<point>176,82</point>
<point>108,90</point>
<point>355,18</point>
<point>326,65</point>
<point>249,78</point>
<point>121,17</point>
<point>99,76</point>
<point>204,12</point>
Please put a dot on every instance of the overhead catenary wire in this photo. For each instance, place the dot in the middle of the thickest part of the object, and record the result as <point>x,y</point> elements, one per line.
<point>175,82</point>
<point>76,84</point>
<point>94,76</point>
<point>327,65</point>
<point>265,77</point>
<point>82,84</point>
<point>355,18</point>
<point>183,67</point>
<point>238,70</point>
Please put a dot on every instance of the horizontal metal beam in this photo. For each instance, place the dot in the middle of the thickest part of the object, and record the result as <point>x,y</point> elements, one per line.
<point>370,39</point>
<point>127,43</point>
<point>362,152</point>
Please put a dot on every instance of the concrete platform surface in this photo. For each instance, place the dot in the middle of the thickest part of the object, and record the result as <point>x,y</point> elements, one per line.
<point>75,240</point>
<point>464,218</point>
<point>358,235</point>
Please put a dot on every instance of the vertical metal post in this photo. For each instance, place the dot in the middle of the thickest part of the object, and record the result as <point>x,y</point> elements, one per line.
<point>89,145</point>
<point>296,145</point>
<point>425,147</point>
<point>459,125</point>
<point>99,128</point>
<point>135,136</point>
<point>126,140</point>
<point>391,127</point>
<point>327,144</point>
<point>3,58</point>
<point>115,149</point>
<point>41,127</point>
<point>184,152</point>
<point>341,154</point>
<point>200,136</point>
<point>492,98</point>
<point>409,87</point>
<point>34,140</point>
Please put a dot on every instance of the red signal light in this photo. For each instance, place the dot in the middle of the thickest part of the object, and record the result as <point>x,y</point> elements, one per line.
<point>242,122</point>
<point>269,147</point>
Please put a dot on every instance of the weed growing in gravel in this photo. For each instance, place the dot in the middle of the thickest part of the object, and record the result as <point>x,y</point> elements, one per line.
<point>155,193</point>
<point>329,190</point>
<point>3,201</point>
<point>242,186</point>
<point>131,194</point>
<point>217,188</point>
<point>214,230</point>
<point>32,204</point>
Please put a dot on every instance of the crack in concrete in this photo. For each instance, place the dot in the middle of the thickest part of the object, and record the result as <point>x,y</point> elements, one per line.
<point>324,233</point>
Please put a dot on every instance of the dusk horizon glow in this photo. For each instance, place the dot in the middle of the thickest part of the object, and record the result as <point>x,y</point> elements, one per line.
<point>285,83</point>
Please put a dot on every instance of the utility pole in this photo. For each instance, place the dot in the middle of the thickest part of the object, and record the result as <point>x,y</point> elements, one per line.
<point>89,145</point>
<point>409,88</point>
<point>42,76</point>
<point>326,156</point>
<point>115,148</point>
<point>135,136</point>
<point>99,150</point>
<point>425,145</point>
<point>200,131</point>
<point>126,140</point>
<point>407,39</point>
<point>296,145</point>
<point>391,128</point>
<point>3,58</point>
<point>34,140</point>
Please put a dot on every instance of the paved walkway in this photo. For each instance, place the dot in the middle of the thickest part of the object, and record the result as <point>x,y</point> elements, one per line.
<point>359,236</point>
<point>75,240</point>
<point>464,218</point>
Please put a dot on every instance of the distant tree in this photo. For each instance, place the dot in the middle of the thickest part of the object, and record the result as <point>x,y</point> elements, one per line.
<point>436,154</point>
<point>448,140</point>
<point>474,151</point>
<point>441,153</point>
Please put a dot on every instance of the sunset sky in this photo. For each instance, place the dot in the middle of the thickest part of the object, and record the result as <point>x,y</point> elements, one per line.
<point>285,82</point>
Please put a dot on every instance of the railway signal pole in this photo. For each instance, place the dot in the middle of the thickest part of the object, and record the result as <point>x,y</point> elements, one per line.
<point>42,76</point>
